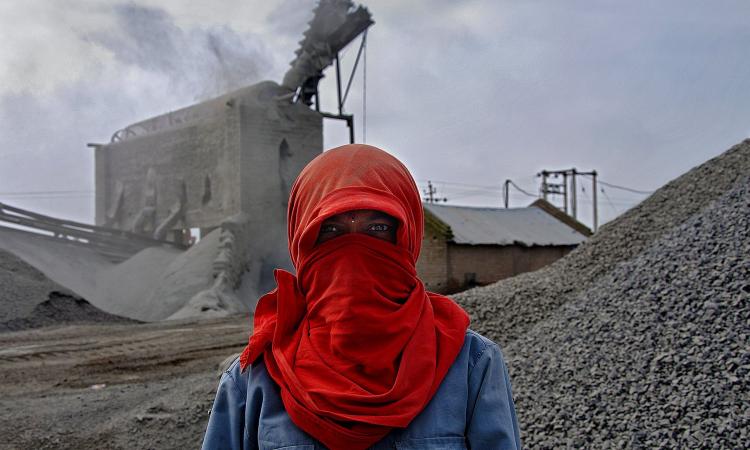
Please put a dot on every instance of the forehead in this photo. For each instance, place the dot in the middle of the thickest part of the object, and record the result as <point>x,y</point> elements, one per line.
<point>362,214</point>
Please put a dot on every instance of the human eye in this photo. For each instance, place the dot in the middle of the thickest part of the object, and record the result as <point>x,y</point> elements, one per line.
<point>329,228</point>
<point>379,227</point>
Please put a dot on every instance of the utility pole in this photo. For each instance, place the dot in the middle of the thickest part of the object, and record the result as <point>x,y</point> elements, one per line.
<point>596,215</point>
<point>574,205</point>
<point>506,192</point>
<point>551,188</point>
<point>570,194</point>
<point>430,194</point>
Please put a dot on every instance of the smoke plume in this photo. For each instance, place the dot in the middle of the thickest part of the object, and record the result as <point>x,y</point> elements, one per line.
<point>139,63</point>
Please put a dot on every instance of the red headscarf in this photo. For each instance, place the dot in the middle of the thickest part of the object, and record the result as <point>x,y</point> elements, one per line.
<point>355,343</point>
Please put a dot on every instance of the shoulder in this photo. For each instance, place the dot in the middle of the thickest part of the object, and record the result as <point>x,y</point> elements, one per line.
<point>478,347</point>
<point>232,377</point>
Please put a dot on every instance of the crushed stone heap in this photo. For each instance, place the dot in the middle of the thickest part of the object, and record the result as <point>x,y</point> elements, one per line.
<point>22,287</point>
<point>62,308</point>
<point>28,299</point>
<point>640,338</point>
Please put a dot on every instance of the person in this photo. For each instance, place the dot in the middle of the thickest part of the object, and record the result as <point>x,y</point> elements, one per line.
<point>352,352</point>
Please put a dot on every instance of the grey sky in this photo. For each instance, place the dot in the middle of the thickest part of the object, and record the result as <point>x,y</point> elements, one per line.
<point>469,92</point>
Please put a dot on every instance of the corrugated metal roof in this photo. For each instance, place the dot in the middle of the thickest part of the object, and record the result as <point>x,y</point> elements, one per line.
<point>499,226</point>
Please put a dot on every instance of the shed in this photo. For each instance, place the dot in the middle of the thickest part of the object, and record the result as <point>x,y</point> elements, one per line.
<point>469,246</point>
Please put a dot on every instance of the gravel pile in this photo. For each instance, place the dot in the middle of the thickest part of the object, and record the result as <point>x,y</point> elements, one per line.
<point>28,299</point>
<point>507,309</point>
<point>61,309</point>
<point>22,287</point>
<point>656,353</point>
<point>641,337</point>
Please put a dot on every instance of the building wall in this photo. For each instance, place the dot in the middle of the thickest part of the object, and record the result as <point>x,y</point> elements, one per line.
<point>192,152</point>
<point>446,267</point>
<point>432,265</point>
<point>238,153</point>
<point>484,264</point>
<point>275,146</point>
<point>277,142</point>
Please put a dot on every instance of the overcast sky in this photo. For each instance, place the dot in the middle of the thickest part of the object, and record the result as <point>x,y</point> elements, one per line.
<point>466,93</point>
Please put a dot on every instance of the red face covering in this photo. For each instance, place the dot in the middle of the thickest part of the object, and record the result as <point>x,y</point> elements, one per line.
<point>355,343</point>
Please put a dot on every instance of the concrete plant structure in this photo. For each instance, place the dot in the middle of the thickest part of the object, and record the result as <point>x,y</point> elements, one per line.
<point>228,163</point>
<point>196,167</point>
<point>224,166</point>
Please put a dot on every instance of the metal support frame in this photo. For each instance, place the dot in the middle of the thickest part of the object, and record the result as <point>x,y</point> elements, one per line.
<point>354,70</point>
<point>349,122</point>
<point>117,245</point>
<point>309,91</point>
<point>341,99</point>
<point>338,85</point>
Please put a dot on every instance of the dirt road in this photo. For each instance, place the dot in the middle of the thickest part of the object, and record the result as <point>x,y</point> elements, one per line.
<point>118,386</point>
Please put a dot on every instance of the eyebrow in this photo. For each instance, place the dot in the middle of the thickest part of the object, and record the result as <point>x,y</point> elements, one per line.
<point>380,215</point>
<point>377,215</point>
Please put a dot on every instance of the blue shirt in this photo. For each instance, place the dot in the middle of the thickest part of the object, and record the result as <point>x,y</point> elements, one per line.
<point>472,408</point>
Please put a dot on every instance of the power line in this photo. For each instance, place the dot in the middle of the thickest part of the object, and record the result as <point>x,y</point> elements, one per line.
<point>611,205</point>
<point>48,197</point>
<point>468,189</point>
<point>46,192</point>
<point>464,190</point>
<point>624,188</point>
<point>459,184</point>
<point>615,200</point>
<point>471,188</point>
<point>636,191</point>
<point>583,191</point>
<point>493,188</point>
<point>472,194</point>
<point>519,188</point>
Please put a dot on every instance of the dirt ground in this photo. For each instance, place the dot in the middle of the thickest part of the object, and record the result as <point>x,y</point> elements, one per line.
<point>114,386</point>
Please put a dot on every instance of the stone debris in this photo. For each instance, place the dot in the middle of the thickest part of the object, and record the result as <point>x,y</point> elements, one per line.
<point>28,299</point>
<point>640,338</point>
<point>61,308</point>
<point>22,287</point>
